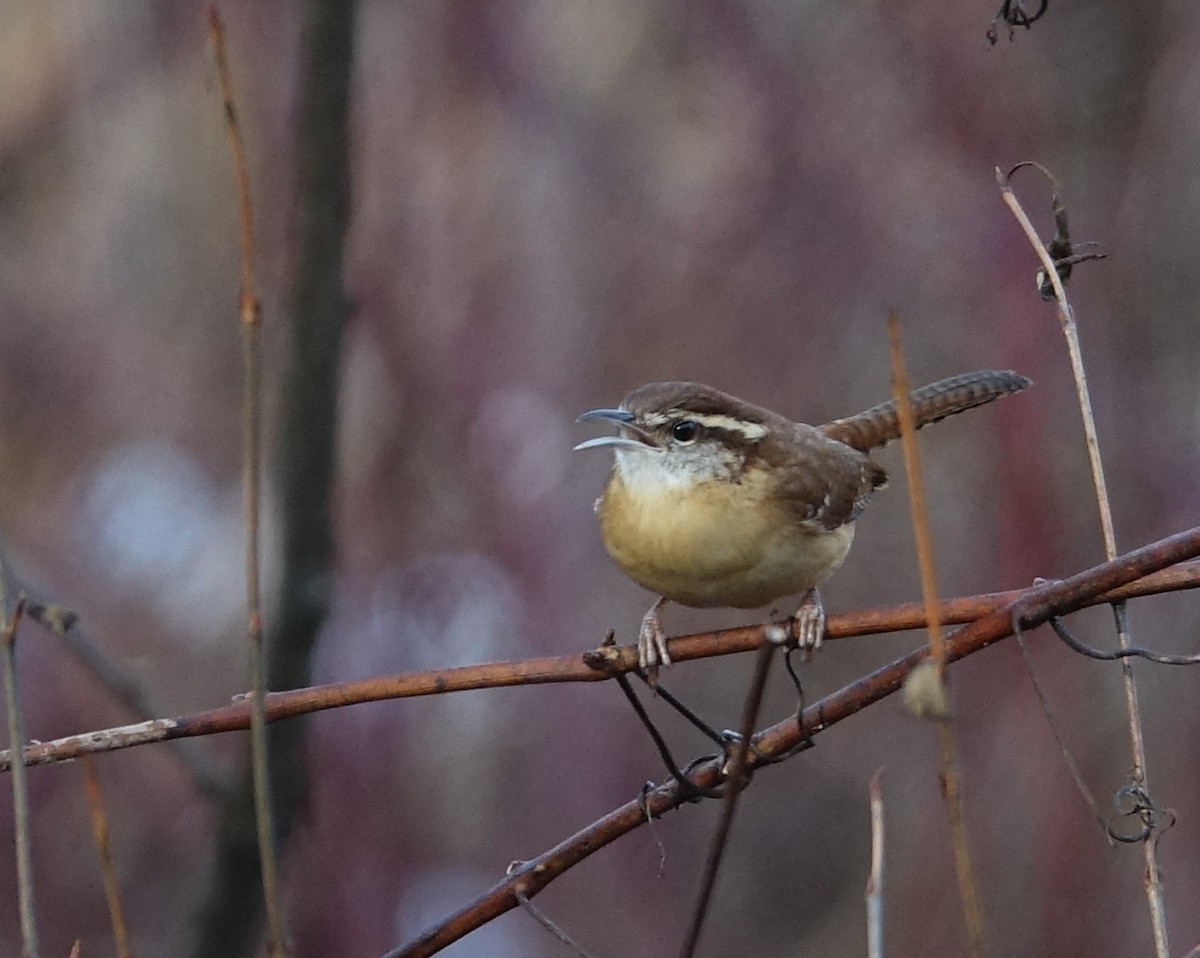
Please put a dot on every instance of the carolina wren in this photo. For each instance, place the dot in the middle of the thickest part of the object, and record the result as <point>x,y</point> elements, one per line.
<point>713,501</point>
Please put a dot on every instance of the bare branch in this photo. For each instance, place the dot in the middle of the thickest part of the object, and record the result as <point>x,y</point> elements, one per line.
<point>1145,577</point>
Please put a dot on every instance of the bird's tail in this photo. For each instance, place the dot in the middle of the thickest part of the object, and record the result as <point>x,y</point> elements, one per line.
<point>947,397</point>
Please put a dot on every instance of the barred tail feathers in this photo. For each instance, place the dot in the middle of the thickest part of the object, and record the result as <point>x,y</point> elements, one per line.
<point>947,397</point>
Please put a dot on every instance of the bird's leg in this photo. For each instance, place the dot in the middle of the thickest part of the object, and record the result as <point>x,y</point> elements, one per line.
<point>652,641</point>
<point>808,623</point>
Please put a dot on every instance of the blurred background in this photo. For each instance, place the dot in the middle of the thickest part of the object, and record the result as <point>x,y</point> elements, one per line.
<point>555,201</point>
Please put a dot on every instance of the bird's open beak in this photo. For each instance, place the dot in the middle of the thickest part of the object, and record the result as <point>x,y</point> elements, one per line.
<point>632,436</point>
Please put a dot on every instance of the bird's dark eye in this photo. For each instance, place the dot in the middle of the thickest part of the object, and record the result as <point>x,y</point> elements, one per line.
<point>685,430</point>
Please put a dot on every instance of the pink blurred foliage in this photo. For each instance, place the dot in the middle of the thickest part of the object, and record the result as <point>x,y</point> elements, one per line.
<point>555,202</point>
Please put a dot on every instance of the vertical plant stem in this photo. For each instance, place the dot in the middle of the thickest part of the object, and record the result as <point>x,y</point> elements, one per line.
<point>250,313</point>
<point>306,456</point>
<point>916,494</point>
<point>20,786</point>
<point>733,786</point>
<point>1137,739</point>
<point>874,892</point>
<point>108,873</point>
<point>951,777</point>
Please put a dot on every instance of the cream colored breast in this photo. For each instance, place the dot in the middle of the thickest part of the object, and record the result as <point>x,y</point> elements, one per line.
<point>715,543</point>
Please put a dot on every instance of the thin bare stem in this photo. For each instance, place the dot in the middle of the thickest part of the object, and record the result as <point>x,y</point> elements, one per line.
<point>250,314</point>
<point>112,890</point>
<point>250,311</point>
<point>735,779</point>
<point>20,787</point>
<point>952,795</point>
<point>1052,721</point>
<point>1066,318</point>
<point>916,491</point>
<point>950,774</point>
<point>307,441</point>
<point>1137,739</point>
<point>546,922</point>
<point>874,891</point>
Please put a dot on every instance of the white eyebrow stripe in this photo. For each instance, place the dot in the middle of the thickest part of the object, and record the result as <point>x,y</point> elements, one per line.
<point>751,431</point>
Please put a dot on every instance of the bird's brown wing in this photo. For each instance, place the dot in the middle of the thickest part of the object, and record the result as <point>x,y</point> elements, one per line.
<point>823,482</point>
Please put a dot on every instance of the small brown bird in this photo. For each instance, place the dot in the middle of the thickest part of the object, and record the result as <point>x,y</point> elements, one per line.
<point>713,501</point>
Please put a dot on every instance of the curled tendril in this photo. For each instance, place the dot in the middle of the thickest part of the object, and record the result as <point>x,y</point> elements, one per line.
<point>1014,14</point>
<point>1133,801</point>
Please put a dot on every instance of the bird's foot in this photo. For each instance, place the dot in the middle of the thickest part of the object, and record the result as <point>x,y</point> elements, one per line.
<point>652,643</point>
<point>808,623</point>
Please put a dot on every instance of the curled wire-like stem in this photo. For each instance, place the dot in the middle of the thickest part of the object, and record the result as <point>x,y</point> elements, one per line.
<point>1132,801</point>
<point>660,743</point>
<point>1109,655</point>
<point>1013,14</point>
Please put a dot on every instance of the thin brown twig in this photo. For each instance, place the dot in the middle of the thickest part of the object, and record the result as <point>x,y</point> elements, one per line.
<point>548,923</point>
<point>951,777</point>
<point>1066,318</point>
<point>1052,720</point>
<point>20,786</point>
<point>566,668</point>
<point>1137,741</point>
<point>951,783</point>
<point>1037,607</point>
<point>874,890</point>
<point>108,874</point>
<point>916,491</point>
<point>250,310</point>
<point>735,782</point>
<point>317,311</point>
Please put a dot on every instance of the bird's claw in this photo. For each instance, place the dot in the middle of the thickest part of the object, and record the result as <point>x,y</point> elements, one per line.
<point>652,642</point>
<point>808,624</point>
